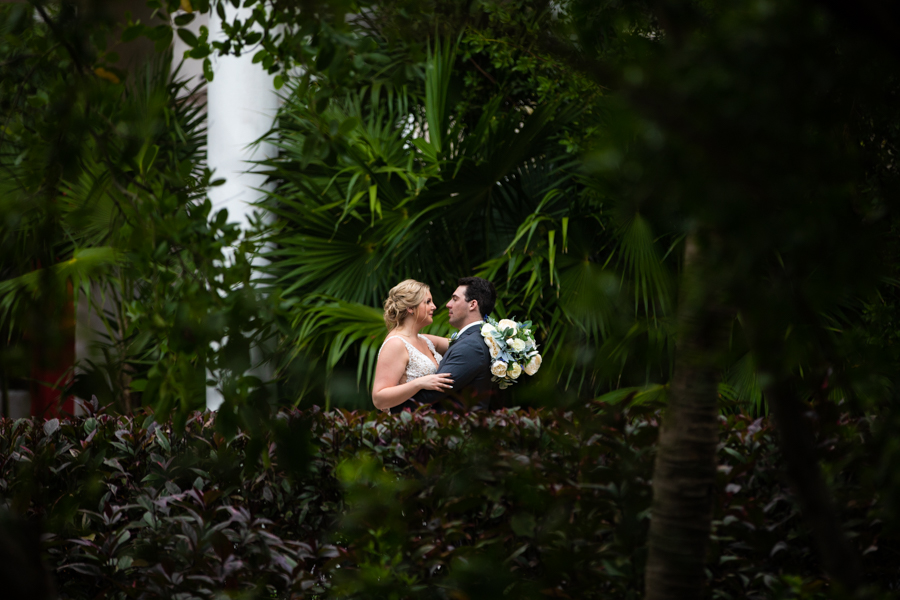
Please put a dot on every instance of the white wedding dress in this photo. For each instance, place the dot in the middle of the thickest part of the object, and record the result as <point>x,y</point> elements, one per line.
<point>419,365</point>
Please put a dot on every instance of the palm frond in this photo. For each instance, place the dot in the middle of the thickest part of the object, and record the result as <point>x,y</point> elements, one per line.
<point>634,396</point>
<point>438,71</point>
<point>743,386</point>
<point>86,264</point>
<point>382,184</point>
<point>641,261</point>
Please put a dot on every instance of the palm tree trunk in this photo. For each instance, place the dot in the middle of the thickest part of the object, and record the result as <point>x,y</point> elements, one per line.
<point>798,447</point>
<point>684,476</point>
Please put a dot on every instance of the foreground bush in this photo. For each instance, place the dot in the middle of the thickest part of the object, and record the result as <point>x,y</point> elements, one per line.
<point>508,504</point>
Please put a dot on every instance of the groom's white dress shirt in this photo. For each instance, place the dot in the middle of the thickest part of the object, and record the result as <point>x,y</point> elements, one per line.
<point>469,325</point>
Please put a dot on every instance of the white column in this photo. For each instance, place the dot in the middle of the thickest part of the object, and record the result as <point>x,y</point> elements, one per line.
<point>241,108</point>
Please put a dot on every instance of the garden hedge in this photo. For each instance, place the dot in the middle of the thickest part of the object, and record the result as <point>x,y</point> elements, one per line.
<point>512,503</point>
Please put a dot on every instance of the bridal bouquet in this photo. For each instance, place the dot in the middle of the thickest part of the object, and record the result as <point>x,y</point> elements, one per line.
<point>513,350</point>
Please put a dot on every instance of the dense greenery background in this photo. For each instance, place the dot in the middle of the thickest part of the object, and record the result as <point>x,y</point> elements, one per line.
<point>694,201</point>
<point>476,144</point>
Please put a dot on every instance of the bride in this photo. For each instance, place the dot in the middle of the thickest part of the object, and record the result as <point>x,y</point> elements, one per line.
<point>408,360</point>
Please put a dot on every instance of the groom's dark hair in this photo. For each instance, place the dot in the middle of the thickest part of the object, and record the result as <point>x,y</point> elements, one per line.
<point>481,290</point>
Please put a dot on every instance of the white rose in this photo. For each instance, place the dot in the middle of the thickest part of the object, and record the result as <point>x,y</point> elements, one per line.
<point>498,368</point>
<point>493,346</point>
<point>514,370</point>
<point>516,344</point>
<point>487,329</point>
<point>533,365</point>
<point>505,324</point>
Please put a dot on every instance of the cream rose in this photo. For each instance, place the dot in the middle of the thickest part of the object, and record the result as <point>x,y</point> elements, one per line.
<point>516,344</point>
<point>505,324</point>
<point>499,368</point>
<point>493,346</point>
<point>487,329</point>
<point>514,370</point>
<point>533,365</point>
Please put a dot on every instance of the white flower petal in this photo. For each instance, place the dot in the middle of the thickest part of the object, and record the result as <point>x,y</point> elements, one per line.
<point>533,365</point>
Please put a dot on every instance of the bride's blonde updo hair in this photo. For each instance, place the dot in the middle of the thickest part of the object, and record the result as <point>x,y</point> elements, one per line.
<point>403,296</point>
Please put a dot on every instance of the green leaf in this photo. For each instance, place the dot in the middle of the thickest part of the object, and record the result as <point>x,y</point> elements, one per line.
<point>51,426</point>
<point>324,57</point>
<point>735,454</point>
<point>348,125</point>
<point>551,241</point>
<point>523,525</point>
<point>132,32</point>
<point>201,51</point>
<point>187,36</point>
<point>147,157</point>
<point>183,19</point>
<point>635,395</point>
<point>163,439</point>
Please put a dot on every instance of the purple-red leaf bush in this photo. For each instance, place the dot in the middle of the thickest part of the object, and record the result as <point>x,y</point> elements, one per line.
<point>512,503</point>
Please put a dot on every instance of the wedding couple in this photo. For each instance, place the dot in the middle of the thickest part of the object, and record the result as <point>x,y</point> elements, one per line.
<point>415,369</point>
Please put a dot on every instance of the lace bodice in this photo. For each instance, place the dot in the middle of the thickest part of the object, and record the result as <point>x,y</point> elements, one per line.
<point>419,365</point>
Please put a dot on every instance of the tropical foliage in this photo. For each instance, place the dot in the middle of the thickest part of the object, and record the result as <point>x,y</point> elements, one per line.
<point>120,218</point>
<point>555,503</point>
<point>384,181</point>
<point>691,201</point>
<point>387,183</point>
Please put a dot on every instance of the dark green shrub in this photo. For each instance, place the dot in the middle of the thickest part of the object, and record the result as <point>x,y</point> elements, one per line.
<point>523,504</point>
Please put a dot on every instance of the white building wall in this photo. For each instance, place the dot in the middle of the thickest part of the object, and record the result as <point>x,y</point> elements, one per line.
<point>242,105</point>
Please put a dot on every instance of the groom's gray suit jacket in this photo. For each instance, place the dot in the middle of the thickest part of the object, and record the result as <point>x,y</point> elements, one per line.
<point>468,362</point>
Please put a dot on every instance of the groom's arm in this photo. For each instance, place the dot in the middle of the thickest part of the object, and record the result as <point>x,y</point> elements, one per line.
<point>463,367</point>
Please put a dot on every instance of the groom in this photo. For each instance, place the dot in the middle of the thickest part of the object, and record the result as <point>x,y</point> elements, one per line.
<point>468,360</point>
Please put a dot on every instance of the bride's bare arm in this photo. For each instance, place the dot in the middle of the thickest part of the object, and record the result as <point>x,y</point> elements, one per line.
<point>441,344</point>
<point>390,368</point>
